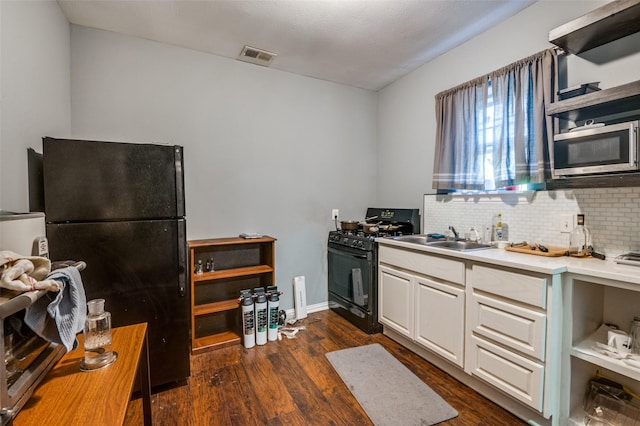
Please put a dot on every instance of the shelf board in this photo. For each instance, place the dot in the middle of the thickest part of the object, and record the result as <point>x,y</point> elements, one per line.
<point>624,99</point>
<point>214,341</point>
<point>584,351</point>
<point>232,273</point>
<point>229,241</point>
<point>213,307</point>
<point>610,22</point>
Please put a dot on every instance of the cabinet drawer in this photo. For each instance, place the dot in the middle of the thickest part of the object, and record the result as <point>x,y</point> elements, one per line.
<point>438,267</point>
<point>523,288</point>
<point>517,376</point>
<point>519,328</point>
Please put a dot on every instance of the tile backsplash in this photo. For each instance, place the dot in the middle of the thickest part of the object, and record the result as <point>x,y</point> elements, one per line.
<point>612,215</point>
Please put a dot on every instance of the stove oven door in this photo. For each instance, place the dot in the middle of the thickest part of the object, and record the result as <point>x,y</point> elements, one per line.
<point>351,274</point>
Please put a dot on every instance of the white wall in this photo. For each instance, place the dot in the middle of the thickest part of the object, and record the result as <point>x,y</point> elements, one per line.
<point>406,117</point>
<point>265,151</point>
<point>34,89</point>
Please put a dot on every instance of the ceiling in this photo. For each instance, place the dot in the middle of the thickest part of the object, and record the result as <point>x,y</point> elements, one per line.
<point>362,43</point>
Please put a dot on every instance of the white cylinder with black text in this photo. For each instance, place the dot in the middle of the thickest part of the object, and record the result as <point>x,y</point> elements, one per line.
<point>261,316</point>
<point>272,306</point>
<point>248,319</point>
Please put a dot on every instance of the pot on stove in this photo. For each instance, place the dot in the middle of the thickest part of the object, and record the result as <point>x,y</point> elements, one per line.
<point>371,228</point>
<point>389,228</point>
<point>349,225</point>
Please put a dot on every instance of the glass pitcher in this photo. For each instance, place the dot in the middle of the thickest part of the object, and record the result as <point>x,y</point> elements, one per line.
<point>98,352</point>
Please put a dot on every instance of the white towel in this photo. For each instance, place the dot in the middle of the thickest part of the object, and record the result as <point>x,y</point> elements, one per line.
<point>60,319</point>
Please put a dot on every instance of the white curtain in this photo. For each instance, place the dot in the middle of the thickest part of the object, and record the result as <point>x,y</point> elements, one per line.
<point>521,131</point>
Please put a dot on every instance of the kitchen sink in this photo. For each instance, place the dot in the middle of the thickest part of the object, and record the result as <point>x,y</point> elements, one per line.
<point>416,239</point>
<point>446,244</point>
<point>460,245</point>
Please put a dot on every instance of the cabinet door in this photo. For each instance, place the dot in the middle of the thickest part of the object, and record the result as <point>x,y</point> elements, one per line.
<point>396,300</point>
<point>440,319</point>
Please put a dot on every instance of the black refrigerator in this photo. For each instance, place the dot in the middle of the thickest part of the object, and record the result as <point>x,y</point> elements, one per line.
<point>120,208</point>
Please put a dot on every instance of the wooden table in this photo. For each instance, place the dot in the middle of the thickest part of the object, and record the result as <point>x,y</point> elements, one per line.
<point>68,396</point>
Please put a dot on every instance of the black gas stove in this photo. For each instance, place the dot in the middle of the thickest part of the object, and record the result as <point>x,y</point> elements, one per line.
<point>353,261</point>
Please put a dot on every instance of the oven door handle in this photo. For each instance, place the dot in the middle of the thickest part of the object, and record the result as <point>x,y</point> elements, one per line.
<point>349,253</point>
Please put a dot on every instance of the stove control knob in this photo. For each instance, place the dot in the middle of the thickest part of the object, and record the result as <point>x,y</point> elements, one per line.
<point>360,244</point>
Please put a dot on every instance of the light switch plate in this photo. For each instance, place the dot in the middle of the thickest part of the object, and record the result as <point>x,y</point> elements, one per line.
<point>566,223</point>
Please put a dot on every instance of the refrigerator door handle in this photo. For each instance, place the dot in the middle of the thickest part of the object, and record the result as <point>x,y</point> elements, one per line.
<point>182,258</point>
<point>180,207</point>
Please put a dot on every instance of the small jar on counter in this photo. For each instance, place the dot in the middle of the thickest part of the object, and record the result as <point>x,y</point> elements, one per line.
<point>98,352</point>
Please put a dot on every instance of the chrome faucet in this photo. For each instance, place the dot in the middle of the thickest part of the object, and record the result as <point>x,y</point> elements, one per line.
<point>455,233</point>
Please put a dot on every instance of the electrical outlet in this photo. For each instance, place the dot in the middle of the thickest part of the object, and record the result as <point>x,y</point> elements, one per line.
<point>334,214</point>
<point>566,223</point>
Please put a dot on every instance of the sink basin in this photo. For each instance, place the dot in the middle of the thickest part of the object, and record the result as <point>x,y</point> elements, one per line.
<point>459,245</point>
<point>417,239</point>
<point>446,244</point>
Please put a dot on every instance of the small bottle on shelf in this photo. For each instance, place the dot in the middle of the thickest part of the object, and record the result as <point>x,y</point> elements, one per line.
<point>198,269</point>
<point>580,239</point>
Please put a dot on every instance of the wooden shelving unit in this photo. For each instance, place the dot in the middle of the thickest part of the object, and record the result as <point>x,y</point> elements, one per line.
<point>239,264</point>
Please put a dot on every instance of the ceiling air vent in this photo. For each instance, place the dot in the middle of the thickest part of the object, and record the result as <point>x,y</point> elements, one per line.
<point>256,56</point>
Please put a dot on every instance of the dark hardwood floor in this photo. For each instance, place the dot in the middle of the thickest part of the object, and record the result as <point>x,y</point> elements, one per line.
<point>291,382</point>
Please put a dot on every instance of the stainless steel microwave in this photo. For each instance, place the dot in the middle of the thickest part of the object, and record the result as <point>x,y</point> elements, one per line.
<point>596,150</point>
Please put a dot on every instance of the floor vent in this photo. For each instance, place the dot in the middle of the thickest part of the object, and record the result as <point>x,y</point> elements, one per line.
<point>256,56</point>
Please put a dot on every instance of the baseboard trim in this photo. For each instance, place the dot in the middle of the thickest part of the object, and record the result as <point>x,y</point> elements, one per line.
<point>291,313</point>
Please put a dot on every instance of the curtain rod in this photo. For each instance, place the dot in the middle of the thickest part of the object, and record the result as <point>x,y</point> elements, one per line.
<point>560,50</point>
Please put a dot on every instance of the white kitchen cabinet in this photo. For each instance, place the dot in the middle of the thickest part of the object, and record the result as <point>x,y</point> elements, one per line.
<point>396,300</point>
<point>529,323</point>
<point>506,331</point>
<point>440,318</point>
<point>422,298</point>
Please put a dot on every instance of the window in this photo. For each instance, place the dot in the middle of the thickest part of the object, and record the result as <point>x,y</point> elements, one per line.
<point>493,132</point>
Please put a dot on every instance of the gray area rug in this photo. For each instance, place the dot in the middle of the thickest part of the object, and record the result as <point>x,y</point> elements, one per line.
<point>388,391</point>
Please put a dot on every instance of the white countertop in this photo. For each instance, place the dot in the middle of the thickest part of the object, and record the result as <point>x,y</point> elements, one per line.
<point>605,269</point>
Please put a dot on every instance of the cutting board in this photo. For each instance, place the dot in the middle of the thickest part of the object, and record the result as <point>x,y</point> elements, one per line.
<point>553,251</point>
